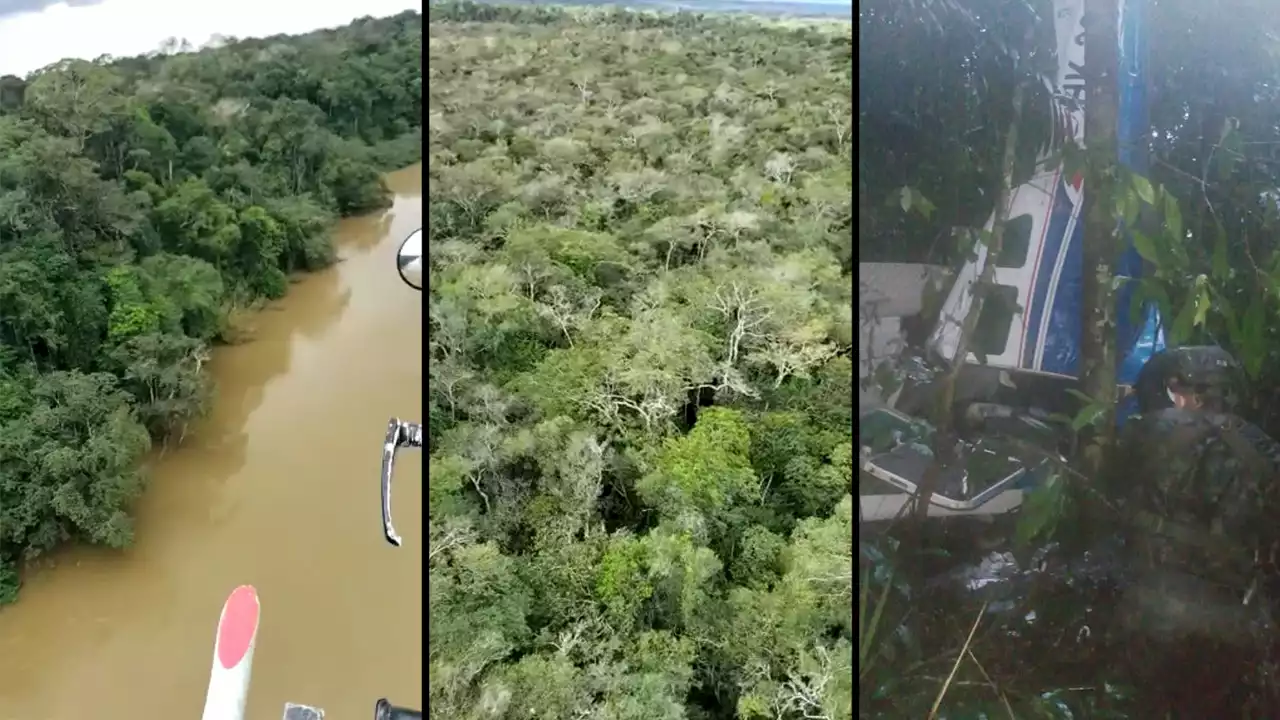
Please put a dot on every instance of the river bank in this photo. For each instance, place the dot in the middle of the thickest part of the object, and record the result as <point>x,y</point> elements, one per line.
<point>277,487</point>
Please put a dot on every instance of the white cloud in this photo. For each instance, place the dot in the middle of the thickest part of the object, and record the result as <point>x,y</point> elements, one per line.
<point>123,28</point>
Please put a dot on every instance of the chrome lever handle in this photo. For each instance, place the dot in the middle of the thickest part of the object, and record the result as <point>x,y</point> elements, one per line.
<point>399,434</point>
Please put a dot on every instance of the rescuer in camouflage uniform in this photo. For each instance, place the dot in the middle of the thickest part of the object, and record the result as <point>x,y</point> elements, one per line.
<point>1198,509</point>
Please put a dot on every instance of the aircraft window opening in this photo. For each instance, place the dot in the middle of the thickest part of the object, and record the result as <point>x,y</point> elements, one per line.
<point>995,324</point>
<point>1016,244</point>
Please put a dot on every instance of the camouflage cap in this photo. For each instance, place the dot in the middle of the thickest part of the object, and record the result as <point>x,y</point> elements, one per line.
<point>1207,370</point>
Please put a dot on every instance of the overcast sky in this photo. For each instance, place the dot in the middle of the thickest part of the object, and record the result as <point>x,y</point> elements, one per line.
<point>35,33</point>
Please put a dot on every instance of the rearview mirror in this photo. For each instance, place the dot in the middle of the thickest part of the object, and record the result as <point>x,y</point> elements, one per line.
<point>409,260</point>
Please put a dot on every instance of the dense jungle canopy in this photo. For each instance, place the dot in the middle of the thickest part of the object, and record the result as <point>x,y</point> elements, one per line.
<point>144,204</point>
<point>640,386</point>
<point>936,92</point>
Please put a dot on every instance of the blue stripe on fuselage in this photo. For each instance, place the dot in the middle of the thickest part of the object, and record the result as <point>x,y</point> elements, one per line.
<point>1062,343</point>
<point>1041,318</point>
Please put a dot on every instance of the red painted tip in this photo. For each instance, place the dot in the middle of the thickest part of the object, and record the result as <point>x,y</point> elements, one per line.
<point>238,625</point>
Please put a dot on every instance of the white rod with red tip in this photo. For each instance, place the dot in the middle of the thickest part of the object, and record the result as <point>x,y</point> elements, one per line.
<point>233,656</point>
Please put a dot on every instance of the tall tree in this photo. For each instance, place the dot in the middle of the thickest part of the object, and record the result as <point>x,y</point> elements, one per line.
<point>1100,248</point>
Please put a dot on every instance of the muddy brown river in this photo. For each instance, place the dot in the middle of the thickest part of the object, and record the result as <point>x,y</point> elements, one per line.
<point>277,487</point>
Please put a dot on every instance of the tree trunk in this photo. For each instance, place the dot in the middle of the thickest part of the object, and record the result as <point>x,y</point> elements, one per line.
<point>1100,249</point>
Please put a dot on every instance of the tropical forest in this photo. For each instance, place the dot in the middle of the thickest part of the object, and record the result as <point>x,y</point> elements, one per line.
<point>147,204</point>
<point>640,377</point>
